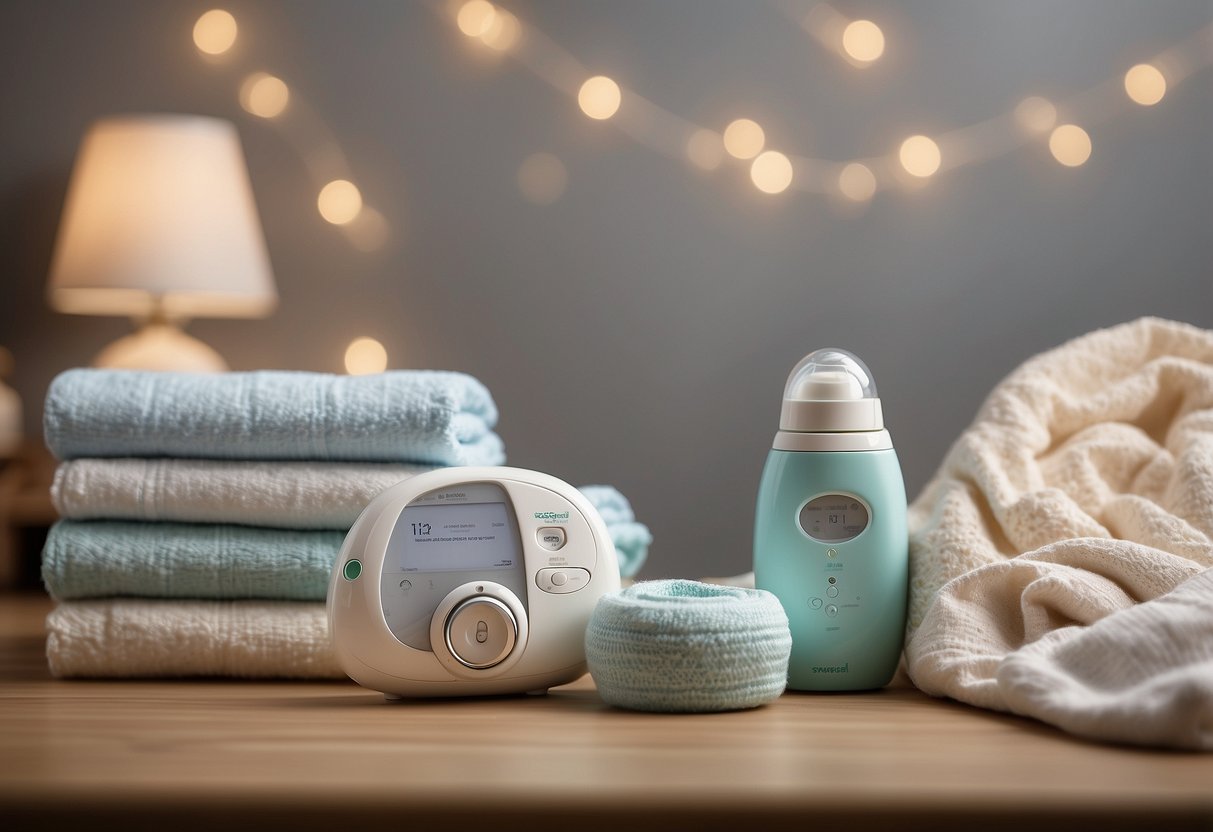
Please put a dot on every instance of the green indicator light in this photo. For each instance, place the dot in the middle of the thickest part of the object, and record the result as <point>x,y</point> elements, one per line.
<point>352,570</point>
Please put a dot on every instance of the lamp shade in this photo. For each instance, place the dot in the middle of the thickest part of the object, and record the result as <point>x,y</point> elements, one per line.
<point>160,218</point>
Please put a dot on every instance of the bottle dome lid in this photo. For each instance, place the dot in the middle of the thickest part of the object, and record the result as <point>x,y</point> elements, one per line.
<point>830,390</point>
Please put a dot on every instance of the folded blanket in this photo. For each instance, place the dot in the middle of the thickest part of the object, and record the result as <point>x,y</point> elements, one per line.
<point>187,560</point>
<point>140,638</point>
<point>406,416</point>
<point>631,539</point>
<point>102,558</point>
<point>283,494</point>
<point>1080,497</point>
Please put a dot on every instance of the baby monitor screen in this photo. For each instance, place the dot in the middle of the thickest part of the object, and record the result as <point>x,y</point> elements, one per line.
<point>456,538</point>
<point>833,518</point>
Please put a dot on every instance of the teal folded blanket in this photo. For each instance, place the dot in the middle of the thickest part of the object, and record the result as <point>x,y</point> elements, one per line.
<point>104,558</point>
<point>631,539</point>
<point>98,559</point>
<point>431,417</point>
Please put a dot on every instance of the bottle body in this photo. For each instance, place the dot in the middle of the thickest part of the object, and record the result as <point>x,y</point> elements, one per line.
<point>830,542</point>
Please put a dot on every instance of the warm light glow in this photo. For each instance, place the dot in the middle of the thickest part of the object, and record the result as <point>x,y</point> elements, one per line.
<point>503,32</point>
<point>339,202</point>
<point>365,356</point>
<point>1036,114</point>
<point>771,172</point>
<point>542,178</point>
<point>1070,145</point>
<point>857,182</point>
<point>1145,84</point>
<point>919,156</point>
<point>369,231</point>
<point>599,97</point>
<point>475,17</point>
<point>215,32</point>
<point>705,149</point>
<point>863,40</point>
<point>264,95</point>
<point>744,138</point>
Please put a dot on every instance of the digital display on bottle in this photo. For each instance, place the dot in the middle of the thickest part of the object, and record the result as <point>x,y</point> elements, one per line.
<point>833,518</point>
<point>455,538</point>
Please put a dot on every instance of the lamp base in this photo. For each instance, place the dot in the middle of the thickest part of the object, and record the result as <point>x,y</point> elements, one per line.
<point>160,346</point>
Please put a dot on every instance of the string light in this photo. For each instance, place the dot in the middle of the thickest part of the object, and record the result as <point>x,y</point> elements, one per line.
<point>365,356</point>
<point>744,138</point>
<point>771,172</point>
<point>339,202</point>
<point>1035,114</point>
<point>542,178</point>
<point>475,17</point>
<point>503,32</point>
<point>1070,145</point>
<point>863,40</point>
<point>215,32</point>
<point>1145,85</point>
<point>857,182</point>
<point>264,95</point>
<point>599,97</point>
<point>920,156</point>
<point>705,149</point>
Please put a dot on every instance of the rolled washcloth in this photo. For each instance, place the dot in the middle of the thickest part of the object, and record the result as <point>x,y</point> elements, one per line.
<point>143,638</point>
<point>187,560</point>
<point>289,495</point>
<point>419,416</point>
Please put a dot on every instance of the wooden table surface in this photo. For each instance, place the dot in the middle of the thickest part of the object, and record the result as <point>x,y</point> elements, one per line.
<point>219,754</point>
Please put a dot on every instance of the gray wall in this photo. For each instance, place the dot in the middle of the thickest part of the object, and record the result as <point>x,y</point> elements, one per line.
<point>639,331</point>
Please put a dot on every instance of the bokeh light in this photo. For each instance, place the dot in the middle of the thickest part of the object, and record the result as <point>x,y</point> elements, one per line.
<point>1035,114</point>
<point>542,178</point>
<point>369,231</point>
<point>599,97</point>
<point>215,32</point>
<point>705,149</point>
<point>475,17</point>
<point>339,202</point>
<point>1145,85</point>
<point>503,31</point>
<point>771,172</point>
<point>1070,145</point>
<point>264,95</point>
<point>365,356</point>
<point>919,155</point>
<point>744,138</point>
<point>863,41</point>
<point>857,182</point>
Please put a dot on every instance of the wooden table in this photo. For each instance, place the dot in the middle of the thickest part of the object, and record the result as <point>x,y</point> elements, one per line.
<point>218,754</point>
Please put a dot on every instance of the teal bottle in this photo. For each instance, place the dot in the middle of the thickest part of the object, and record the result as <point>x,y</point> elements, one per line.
<point>830,536</point>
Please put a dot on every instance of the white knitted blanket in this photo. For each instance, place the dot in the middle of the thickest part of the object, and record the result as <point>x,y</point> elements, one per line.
<point>1060,557</point>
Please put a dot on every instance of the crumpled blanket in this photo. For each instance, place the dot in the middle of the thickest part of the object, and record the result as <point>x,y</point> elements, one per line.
<point>1060,557</point>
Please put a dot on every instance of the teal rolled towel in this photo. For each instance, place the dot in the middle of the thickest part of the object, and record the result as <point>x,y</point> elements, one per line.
<point>421,416</point>
<point>685,646</point>
<point>102,558</point>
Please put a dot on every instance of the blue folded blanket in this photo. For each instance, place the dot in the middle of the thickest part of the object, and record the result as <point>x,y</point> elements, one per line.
<point>104,558</point>
<point>432,417</point>
<point>98,559</point>
<point>631,539</point>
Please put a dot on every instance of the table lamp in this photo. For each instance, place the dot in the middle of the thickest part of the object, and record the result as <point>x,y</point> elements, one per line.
<point>160,224</point>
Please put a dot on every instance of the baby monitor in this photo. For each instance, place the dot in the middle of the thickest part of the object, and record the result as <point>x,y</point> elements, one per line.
<point>830,528</point>
<point>470,581</point>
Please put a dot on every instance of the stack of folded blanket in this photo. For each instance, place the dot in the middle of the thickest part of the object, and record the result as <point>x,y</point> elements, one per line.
<point>203,513</point>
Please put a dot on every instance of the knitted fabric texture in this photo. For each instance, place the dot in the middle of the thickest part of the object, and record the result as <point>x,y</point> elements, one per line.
<point>685,646</point>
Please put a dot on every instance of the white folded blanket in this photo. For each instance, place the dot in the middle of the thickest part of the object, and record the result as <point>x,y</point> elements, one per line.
<point>281,494</point>
<point>139,638</point>
<point>1048,553</point>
